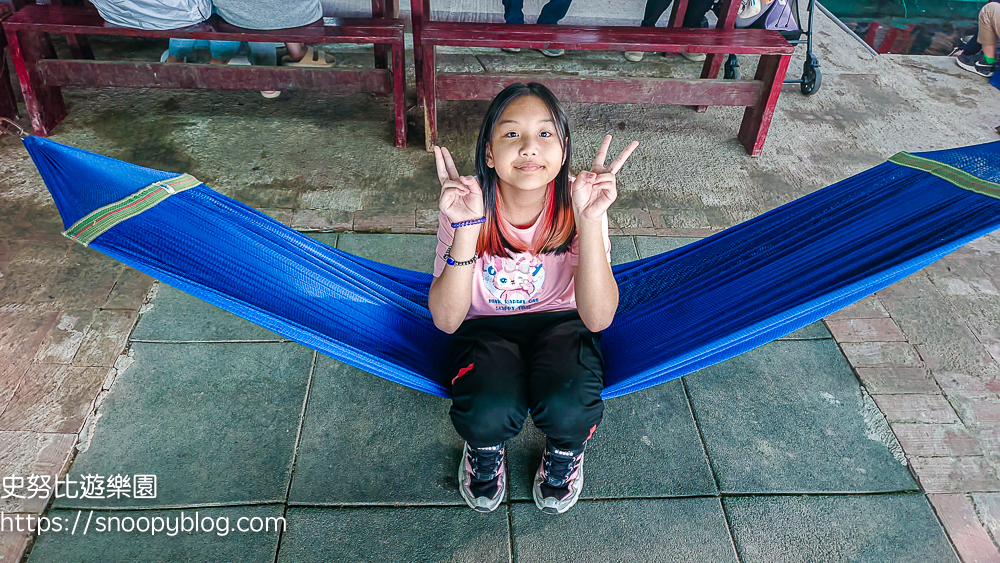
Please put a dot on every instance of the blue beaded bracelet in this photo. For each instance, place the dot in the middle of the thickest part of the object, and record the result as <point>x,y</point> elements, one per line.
<point>470,222</point>
<point>452,262</point>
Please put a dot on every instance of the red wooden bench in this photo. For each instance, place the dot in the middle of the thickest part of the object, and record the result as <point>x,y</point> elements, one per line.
<point>8,105</point>
<point>41,74</point>
<point>759,95</point>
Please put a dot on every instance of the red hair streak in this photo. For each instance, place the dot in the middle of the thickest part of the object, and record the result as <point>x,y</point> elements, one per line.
<point>554,231</point>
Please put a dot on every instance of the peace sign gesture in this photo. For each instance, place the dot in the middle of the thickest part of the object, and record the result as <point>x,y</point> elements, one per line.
<point>594,191</point>
<point>461,197</point>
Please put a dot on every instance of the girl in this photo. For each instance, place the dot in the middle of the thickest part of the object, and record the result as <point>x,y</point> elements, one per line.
<point>522,277</point>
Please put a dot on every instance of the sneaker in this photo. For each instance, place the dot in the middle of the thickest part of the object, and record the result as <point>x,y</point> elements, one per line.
<point>481,477</point>
<point>975,63</point>
<point>695,57</point>
<point>634,56</point>
<point>749,8</point>
<point>511,49</point>
<point>552,52</point>
<point>559,480</point>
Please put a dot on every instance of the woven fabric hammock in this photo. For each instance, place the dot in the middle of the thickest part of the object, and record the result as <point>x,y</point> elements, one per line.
<point>679,311</point>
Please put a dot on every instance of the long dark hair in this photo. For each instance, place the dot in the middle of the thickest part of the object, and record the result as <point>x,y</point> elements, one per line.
<point>557,229</point>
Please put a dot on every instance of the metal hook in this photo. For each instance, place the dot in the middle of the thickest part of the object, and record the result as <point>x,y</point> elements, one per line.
<point>11,128</point>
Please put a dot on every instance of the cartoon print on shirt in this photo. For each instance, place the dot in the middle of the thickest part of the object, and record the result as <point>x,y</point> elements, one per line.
<point>513,281</point>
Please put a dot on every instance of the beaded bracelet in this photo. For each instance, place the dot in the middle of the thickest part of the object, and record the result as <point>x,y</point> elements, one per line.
<point>468,223</point>
<point>452,262</point>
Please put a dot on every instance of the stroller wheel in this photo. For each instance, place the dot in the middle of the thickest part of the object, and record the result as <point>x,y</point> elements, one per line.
<point>732,69</point>
<point>811,76</point>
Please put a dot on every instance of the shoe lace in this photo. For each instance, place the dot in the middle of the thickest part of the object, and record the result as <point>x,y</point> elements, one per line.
<point>485,464</point>
<point>559,467</point>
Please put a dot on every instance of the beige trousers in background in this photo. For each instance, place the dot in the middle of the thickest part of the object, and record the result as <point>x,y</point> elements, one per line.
<point>989,23</point>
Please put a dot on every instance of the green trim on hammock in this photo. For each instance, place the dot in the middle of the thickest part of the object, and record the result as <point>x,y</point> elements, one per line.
<point>97,222</point>
<point>949,173</point>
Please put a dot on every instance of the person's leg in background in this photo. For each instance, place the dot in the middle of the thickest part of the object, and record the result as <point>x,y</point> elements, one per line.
<point>181,49</point>
<point>223,51</point>
<point>989,29</point>
<point>553,11</point>
<point>296,51</point>
<point>513,11</point>
<point>693,17</point>
<point>983,63</point>
<point>696,11</point>
<point>654,9</point>
<point>264,54</point>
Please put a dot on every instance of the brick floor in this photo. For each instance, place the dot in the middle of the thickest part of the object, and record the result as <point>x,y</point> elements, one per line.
<point>967,533</point>
<point>926,348</point>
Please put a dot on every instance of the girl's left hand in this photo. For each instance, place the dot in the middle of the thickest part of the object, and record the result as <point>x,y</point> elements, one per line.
<point>594,191</point>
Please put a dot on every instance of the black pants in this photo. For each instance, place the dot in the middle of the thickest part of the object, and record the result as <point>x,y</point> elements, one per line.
<point>696,11</point>
<point>503,366</point>
<point>552,12</point>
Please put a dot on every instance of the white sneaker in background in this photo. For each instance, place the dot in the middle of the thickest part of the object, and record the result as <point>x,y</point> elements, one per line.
<point>695,57</point>
<point>749,8</point>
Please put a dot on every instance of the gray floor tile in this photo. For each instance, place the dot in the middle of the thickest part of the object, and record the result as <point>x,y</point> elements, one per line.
<point>179,317</point>
<point>790,417</point>
<point>622,250</point>
<point>216,423</point>
<point>647,446</point>
<point>814,331</point>
<point>413,252</point>
<point>171,544</point>
<point>668,530</point>
<point>426,534</point>
<point>651,246</point>
<point>367,440</point>
<point>869,528</point>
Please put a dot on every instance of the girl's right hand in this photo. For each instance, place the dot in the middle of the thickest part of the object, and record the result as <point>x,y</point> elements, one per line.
<point>461,196</point>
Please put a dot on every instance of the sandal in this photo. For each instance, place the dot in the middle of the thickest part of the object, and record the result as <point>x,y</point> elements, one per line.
<point>314,58</point>
<point>244,61</point>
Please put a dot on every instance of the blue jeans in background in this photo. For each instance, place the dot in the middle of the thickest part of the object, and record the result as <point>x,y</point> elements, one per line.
<point>554,10</point>
<point>223,50</point>
<point>262,54</point>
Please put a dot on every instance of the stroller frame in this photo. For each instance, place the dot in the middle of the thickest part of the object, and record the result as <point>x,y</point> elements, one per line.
<point>811,78</point>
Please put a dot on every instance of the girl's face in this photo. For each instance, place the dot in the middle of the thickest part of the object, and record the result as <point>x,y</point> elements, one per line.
<point>525,149</point>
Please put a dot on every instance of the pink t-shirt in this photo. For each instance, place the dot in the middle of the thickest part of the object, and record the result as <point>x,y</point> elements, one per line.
<point>525,283</point>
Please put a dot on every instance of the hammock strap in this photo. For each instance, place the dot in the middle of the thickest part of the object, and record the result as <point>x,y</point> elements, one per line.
<point>97,222</point>
<point>948,173</point>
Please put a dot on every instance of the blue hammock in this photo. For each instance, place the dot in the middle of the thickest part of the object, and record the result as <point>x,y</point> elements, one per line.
<point>679,311</point>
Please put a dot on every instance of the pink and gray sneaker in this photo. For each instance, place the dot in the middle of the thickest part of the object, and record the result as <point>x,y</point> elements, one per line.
<point>559,480</point>
<point>482,478</point>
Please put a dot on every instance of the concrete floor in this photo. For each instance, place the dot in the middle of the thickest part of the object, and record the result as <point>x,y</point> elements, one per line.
<point>926,349</point>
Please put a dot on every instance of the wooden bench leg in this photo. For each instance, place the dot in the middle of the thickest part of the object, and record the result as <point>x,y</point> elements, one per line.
<point>8,105</point>
<point>44,103</point>
<point>79,47</point>
<point>430,98</point>
<point>418,59</point>
<point>382,50</point>
<point>399,91</point>
<point>757,119</point>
